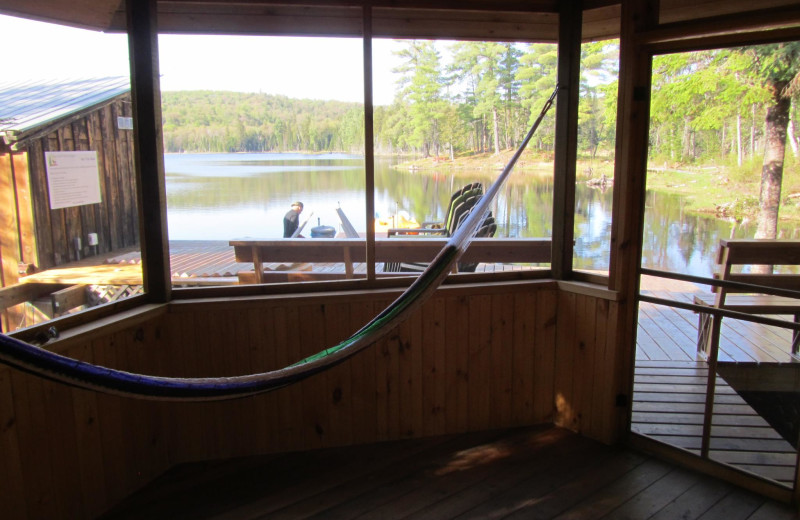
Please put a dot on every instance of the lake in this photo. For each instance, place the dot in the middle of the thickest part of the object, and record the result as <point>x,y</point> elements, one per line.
<point>227,196</point>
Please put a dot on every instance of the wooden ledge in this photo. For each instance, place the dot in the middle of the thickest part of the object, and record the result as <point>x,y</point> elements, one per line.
<point>84,332</point>
<point>589,289</point>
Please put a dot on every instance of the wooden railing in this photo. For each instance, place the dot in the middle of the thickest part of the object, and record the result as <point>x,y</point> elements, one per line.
<point>750,298</point>
<point>351,250</point>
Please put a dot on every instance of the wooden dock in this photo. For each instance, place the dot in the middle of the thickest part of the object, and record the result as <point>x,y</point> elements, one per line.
<point>194,262</point>
<point>670,385</point>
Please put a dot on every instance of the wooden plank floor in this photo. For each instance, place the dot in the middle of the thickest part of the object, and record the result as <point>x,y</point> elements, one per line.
<point>670,334</point>
<point>215,259</point>
<point>535,473</point>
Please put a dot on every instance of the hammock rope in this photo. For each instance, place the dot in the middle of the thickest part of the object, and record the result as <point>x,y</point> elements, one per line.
<point>55,367</point>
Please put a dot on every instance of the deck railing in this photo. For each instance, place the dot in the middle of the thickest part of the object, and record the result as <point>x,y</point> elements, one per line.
<point>351,250</point>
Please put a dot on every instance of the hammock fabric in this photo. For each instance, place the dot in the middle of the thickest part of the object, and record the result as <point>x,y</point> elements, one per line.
<point>49,365</point>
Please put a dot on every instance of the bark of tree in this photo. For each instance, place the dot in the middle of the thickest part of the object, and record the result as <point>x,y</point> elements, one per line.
<point>792,140</point>
<point>753,133</point>
<point>777,122</point>
<point>496,125</point>
<point>739,152</point>
<point>687,147</point>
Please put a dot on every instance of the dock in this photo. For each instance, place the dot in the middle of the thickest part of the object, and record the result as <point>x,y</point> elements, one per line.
<point>670,380</point>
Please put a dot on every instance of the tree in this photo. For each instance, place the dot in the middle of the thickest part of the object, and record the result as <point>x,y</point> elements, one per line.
<point>537,77</point>
<point>491,68</point>
<point>599,63</point>
<point>421,90</point>
<point>778,66</point>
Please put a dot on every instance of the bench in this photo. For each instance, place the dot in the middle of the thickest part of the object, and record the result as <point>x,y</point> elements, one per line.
<point>351,250</point>
<point>735,253</point>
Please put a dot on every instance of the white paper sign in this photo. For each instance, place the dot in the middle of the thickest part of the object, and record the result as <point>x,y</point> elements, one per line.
<point>73,178</point>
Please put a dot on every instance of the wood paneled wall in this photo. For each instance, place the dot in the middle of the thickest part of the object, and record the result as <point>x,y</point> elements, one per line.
<point>592,370</point>
<point>473,358</point>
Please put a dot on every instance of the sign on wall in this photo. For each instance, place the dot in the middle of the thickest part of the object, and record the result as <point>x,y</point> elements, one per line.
<point>73,178</point>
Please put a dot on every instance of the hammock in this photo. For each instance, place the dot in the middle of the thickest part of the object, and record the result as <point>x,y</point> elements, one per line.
<point>49,365</point>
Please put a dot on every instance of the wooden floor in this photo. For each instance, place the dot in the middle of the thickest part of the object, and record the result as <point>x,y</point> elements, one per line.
<point>540,473</point>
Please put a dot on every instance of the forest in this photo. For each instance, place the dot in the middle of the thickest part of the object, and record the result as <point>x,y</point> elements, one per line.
<point>708,107</point>
<point>480,99</point>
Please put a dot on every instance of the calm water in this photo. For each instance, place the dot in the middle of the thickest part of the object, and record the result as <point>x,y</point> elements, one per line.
<point>227,196</point>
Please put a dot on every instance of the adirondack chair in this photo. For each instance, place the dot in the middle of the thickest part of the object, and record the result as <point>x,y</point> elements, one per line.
<point>461,204</point>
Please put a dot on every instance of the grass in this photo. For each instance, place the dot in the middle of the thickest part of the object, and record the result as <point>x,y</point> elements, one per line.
<point>529,163</point>
<point>723,191</point>
<point>727,191</point>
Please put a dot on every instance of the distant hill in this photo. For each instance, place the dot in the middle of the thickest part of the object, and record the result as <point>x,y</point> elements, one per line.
<point>219,121</point>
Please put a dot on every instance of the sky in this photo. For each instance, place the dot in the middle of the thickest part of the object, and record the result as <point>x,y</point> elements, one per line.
<point>313,68</point>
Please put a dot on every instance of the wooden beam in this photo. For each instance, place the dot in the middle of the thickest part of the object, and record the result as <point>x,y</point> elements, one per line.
<point>369,150</point>
<point>390,249</point>
<point>629,190</point>
<point>453,5</point>
<point>757,20</point>
<point>25,292</point>
<point>723,30</point>
<point>149,153</point>
<point>66,299</point>
<point>566,152</point>
<point>726,40</point>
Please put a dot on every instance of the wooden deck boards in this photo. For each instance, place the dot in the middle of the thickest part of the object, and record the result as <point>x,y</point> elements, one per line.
<point>208,261</point>
<point>536,473</point>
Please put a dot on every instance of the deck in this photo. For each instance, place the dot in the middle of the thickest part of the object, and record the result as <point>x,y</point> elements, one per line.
<point>541,473</point>
<point>192,262</point>
<point>670,385</point>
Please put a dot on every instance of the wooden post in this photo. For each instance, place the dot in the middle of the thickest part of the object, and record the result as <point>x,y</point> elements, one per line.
<point>148,144</point>
<point>566,151</point>
<point>348,263</point>
<point>369,142</point>
<point>629,188</point>
<point>258,264</point>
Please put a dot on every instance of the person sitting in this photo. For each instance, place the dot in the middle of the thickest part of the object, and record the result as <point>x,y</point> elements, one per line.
<point>292,219</point>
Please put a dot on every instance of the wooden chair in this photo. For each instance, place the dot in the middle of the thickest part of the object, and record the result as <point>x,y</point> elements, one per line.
<point>734,254</point>
<point>462,203</point>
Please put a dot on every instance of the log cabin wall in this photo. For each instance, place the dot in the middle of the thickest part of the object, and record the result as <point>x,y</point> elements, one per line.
<point>115,219</point>
<point>474,357</point>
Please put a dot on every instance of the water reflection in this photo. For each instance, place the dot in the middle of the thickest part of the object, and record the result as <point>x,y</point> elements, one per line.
<point>226,196</point>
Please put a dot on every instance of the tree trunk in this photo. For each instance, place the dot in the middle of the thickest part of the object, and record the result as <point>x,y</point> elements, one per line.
<point>739,152</point>
<point>687,146</point>
<point>791,138</point>
<point>753,133</point>
<point>496,125</point>
<point>777,122</point>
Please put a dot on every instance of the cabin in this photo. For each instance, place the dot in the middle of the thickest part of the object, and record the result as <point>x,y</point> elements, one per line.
<point>76,115</point>
<point>54,227</point>
<point>530,370</point>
